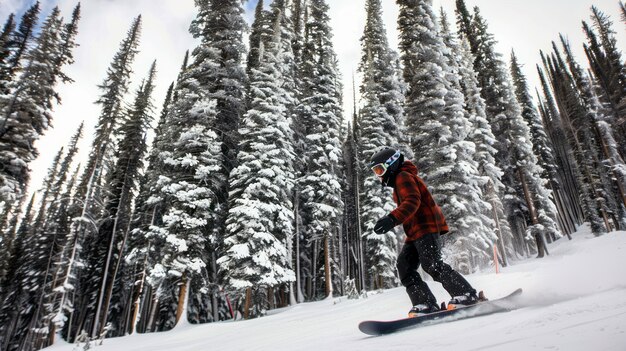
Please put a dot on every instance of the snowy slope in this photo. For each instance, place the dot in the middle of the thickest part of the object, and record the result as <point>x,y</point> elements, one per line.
<point>574,299</point>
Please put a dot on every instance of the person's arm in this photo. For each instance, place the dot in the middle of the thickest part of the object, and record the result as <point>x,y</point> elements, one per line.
<point>409,195</point>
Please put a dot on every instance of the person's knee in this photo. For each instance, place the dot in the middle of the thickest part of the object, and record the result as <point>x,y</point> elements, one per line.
<point>403,269</point>
<point>409,279</point>
<point>435,268</point>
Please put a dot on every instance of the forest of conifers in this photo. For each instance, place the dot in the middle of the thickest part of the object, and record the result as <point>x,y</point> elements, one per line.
<point>248,188</point>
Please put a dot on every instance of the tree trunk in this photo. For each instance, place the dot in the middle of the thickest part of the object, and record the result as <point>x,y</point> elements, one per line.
<point>329,283</point>
<point>246,308</point>
<point>533,214</point>
<point>154,307</point>
<point>182,295</point>
<point>133,320</point>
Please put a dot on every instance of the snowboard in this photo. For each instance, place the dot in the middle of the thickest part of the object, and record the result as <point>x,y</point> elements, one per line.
<point>502,304</point>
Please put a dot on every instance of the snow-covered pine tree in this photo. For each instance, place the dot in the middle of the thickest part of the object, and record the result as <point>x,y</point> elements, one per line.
<point>26,114</point>
<point>86,264</point>
<point>573,116</point>
<point>220,26</point>
<point>380,123</point>
<point>18,44</point>
<point>320,185</point>
<point>50,229</point>
<point>14,287</point>
<point>260,220</point>
<point>303,56</point>
<point>150,206</point>
<point>114,88</point>
<point>226,81</point>
<point>482,136</point>
<point>614,171</point>
<point>605,61</point>
<point>5,50</point>
<point>144,215</point>
<point>141,254</point>
<point>566,191</point>
<point>26,111</point>
<point>527,201</point>
<point>540,142</point>
<point>354,263</point>
<point>31,272</point>
<point>55,233</point>
<point>8,238</point>
<point>440,130</point>
<point>122,185</point>
<point>282,11</point>
<point>260,32</point>
<point>193,180</point>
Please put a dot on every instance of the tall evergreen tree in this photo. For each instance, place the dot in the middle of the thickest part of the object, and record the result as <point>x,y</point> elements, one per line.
<point>540,142</point>
<point>31,271</point>
<point>440,130</point>
<point>260,221</point>
<point>122,185</point>
<point>320,185</point>
<point>567,193</point>
<point>87,265</point>
<point>613,174</point>
<point>5,50</point>
<point>527,201</point>
<point>20,42</point>
<point>26,112</point>
<point>114,87</point>
<point>380,124</point>
<point>55,233</point>
<point>205,118</point>
<point>15,291</point>
<point>482,136</point>
<point>605,61</point>
<point>224,30</point>
<point>573,115</point>
<point>150,207</point>
<point>259,32</point>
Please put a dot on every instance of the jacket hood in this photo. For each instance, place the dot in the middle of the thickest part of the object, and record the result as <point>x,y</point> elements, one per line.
<point>409,167</point>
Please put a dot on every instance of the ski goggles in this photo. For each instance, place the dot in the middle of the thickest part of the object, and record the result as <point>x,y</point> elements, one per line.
<point>381,168</point>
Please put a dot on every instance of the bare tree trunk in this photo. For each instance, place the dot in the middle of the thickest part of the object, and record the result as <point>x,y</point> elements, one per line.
<point>246,308</point>
<point>329,283</point>
<point>182,295</point>
<point>533,214</point>
<point>214,302</point>
<point>153,309</point>
<point>296,202</point>
<point>133,321</point>
<point>109,292</point>
<point>494,211</point>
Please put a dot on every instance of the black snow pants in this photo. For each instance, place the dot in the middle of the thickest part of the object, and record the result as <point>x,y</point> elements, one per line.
<point>426,251</point>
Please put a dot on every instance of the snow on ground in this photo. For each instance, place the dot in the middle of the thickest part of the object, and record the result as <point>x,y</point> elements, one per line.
<point>575,299</point>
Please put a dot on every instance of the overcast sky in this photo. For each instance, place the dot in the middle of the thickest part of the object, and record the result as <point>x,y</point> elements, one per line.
<point>525,25</point>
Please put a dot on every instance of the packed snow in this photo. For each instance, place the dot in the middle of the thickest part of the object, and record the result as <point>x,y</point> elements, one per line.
<point>574,299</point>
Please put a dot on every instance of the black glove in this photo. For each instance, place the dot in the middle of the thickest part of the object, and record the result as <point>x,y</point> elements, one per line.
<point>385,224</point>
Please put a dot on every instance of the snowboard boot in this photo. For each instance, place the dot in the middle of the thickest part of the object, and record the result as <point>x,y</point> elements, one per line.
<point>465,300</point>
<point>422,309</point>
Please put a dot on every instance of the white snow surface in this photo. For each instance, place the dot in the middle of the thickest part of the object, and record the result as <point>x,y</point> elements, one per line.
<point>575,299</point>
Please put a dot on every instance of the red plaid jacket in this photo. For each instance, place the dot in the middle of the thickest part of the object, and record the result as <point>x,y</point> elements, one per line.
<point>417,210</point>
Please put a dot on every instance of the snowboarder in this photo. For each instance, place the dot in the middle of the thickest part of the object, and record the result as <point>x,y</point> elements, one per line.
<point>423,222</point>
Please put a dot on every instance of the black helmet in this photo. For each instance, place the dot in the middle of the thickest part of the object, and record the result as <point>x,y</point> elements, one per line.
<point>386,162</point>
